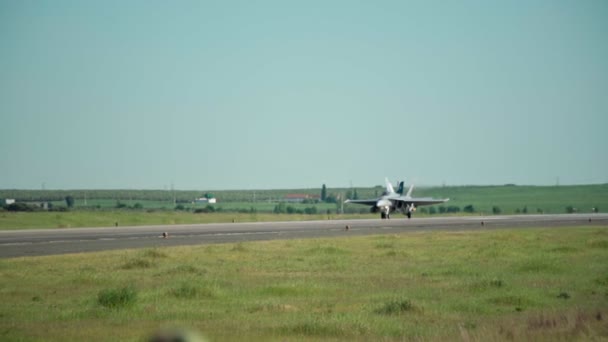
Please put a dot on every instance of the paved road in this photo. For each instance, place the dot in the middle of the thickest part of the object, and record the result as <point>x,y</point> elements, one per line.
<point>78,240</point>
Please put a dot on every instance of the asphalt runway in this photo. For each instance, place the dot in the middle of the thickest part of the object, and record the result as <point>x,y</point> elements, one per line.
<point>20,243</point>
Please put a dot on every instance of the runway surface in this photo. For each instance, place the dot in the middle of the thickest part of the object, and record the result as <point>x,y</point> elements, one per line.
<point>77,240</point>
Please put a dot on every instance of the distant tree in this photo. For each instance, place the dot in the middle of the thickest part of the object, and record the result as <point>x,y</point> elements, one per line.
<point>496,210</point>
<point>138,206</point>
<point>69,201</point>
<point>280,208</point>
<point>208,195</point>
<point>331,199</point>
<point>432,210</point>
<point>20,206</point>
<point>453,209</point>
<point>525,209</point>
<point>180,207</point>
<point>323,193</point>
<point>442,210</point>
<point>290,210</point>
<point>349,194</point>
<point>570,209</point>
<point>310,210</point>
<point>355,195</point>
<point>469,209</point>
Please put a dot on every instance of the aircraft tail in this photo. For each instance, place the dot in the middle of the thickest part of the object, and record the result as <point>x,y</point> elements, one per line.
<point>400,188</point>
<point>409,192</point>
<point>389,187</point>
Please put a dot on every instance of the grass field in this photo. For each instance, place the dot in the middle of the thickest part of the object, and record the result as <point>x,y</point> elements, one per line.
<point>549,199</point>
<point>510,200</point>
<point>536,284</point>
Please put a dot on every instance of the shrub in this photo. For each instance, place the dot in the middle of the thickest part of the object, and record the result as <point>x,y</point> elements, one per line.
<point>20,206</point>
<point>137,263</point>
<point>154,253</point>
<point>310,211</point>
<point>117,298</point>
<point>469,209</point>
<point>496,210</point>
<point>453,209</point>
<point>185,291</point>
<point>497,282</point>
<point>395,307</point>
<point>280,208</point>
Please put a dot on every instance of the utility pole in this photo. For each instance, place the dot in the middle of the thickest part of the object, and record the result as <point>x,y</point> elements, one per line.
<point>173,191</point>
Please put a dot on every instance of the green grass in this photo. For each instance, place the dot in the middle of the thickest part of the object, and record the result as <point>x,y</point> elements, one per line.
<point>510,200</point>
<point>549,199</point>
<point>546,199</point>
<point>536,284</point>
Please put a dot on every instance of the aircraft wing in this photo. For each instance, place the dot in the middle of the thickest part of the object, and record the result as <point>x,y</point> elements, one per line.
<point>420,200</point>
<point>365,201</point>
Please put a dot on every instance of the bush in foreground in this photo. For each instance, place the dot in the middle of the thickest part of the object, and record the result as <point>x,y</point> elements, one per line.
<point>395,307</point>
<point>117,298</point>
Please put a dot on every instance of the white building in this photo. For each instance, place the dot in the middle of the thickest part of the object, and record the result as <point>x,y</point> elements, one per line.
<point>206,200</point>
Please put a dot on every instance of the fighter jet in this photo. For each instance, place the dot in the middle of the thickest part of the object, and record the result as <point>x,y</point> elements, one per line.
<point>391,201</point>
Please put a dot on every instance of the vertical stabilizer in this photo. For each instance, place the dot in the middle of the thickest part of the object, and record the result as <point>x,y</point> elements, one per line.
<point>400,188</point>
<point>389,187</point>
<point>409,192</point>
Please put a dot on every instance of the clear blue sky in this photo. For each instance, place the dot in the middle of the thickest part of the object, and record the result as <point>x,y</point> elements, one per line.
<point>289,94</point>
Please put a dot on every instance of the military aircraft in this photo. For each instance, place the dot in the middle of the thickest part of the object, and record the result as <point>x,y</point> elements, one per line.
<point>391,201</point>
